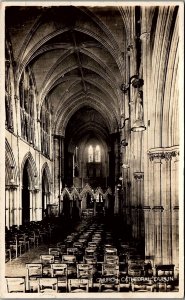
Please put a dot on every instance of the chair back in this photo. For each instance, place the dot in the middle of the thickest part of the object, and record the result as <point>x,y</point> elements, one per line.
<point>90,251</point>
<point>55,251</point>
<point>15,284</point>
<point>78,285</point>
<point>110,251</point>
<point>47,285</point>
<point>84,271</point>
<point>72,251</point>
<point>47,259</point>
<point>110,270</point>
<point>58,270</point>
<point>68,259</point>
<point>111,259</point>
<point>34,270</point>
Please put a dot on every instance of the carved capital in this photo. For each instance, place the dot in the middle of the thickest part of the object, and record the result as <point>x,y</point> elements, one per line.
<point>145,36</point>
<point>146,208</point>
<point>125,88</point>
<point>11,187</point>
<point>163,153</point>
<point>139,175</point>
<point>16,98</point>
<point>158,208</point>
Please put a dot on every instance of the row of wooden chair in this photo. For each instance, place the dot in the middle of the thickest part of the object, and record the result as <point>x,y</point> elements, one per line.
<point>19,239</point>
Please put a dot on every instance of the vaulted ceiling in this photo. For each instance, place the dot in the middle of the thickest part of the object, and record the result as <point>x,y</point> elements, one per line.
<point>77,56</point>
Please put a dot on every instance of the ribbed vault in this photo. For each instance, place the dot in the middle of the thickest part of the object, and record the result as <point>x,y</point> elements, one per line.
<point>77,56</point>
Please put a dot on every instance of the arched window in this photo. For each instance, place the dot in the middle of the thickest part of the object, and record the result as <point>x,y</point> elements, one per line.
<point>90,154</point>
<point>97,154</point>
<point>8,94</point>
<point>45,121</point>
<point>26,95</point>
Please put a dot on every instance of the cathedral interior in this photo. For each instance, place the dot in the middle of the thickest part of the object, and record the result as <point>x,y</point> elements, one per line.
<point>92,149</point>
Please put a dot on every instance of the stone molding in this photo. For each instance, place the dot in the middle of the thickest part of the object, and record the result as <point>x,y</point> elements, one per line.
<point>158,208</point>
<point>145,36</point>
<point>139,175</point>
<point>163,153</point>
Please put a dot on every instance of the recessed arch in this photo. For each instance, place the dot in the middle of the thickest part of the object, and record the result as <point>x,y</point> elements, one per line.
<point>32,170</point>
<point>11,170</point>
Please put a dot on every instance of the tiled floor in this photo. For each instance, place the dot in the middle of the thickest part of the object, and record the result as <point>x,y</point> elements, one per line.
<point>17,265</point>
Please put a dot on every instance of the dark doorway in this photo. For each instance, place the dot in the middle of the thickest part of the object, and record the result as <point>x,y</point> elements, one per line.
<point>66,207</point>
<point>25,195</point>
<point>89,201</point>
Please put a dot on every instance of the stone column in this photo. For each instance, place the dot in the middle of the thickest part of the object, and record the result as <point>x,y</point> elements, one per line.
<point>31,204</point>
<point>167,213</point>
<point>62,159</point>
<point>139,176</point>
<point>15,214</point>
<point>7,207</point>
<point>158,211</point>
<point>17,105</point>
<point>148,233</point>
<point>57,167</point>
<point>116,203</point>
<point>37,207</point>
<point>11,207</point>
<point>163,214</point>
<point>156,227</point>
<point>175,210</point>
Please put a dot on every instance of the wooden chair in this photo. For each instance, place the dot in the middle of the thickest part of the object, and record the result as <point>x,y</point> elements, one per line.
<point>56,251</point>
<point>135,270</point>
<point>60,272</point>
<point>8,254</point>
<point>70,260</point>
<point>78,285</point>
<point>33,272</point>
<point>110,270</point>
<point>110,251</point>
<point>46,260</point>
<point>90,251</point>
<point>24,241</point>
<point>166,272</point>
<point>78,245</point>
<point>72,251</point>
<point>92,245</point>
<point>15,284</point>
<point>111,259</point>
<point>86,271</point>
<point>110,285</point>
<point>62,247</point>
<point>15,246</point>
<point>48,285</point>
<point>142,286</point>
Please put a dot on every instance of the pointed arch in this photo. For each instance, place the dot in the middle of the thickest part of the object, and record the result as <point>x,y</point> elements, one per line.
<point>66,192</point>
<point>11,170</point>
<point>32,170</point>
<point>87,189</point>
<point>45,168</point>
<point>75,193</point>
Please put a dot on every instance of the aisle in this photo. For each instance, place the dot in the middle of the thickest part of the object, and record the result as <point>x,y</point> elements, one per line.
<point>17,265</point>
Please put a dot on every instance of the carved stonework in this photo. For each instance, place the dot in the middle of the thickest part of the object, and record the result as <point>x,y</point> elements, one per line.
<point>158,208</point>
<point>163,153</point>
<point>146,208</point>
<point>139,175</point>
<point>16,98</point>
<point>145,36</point>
